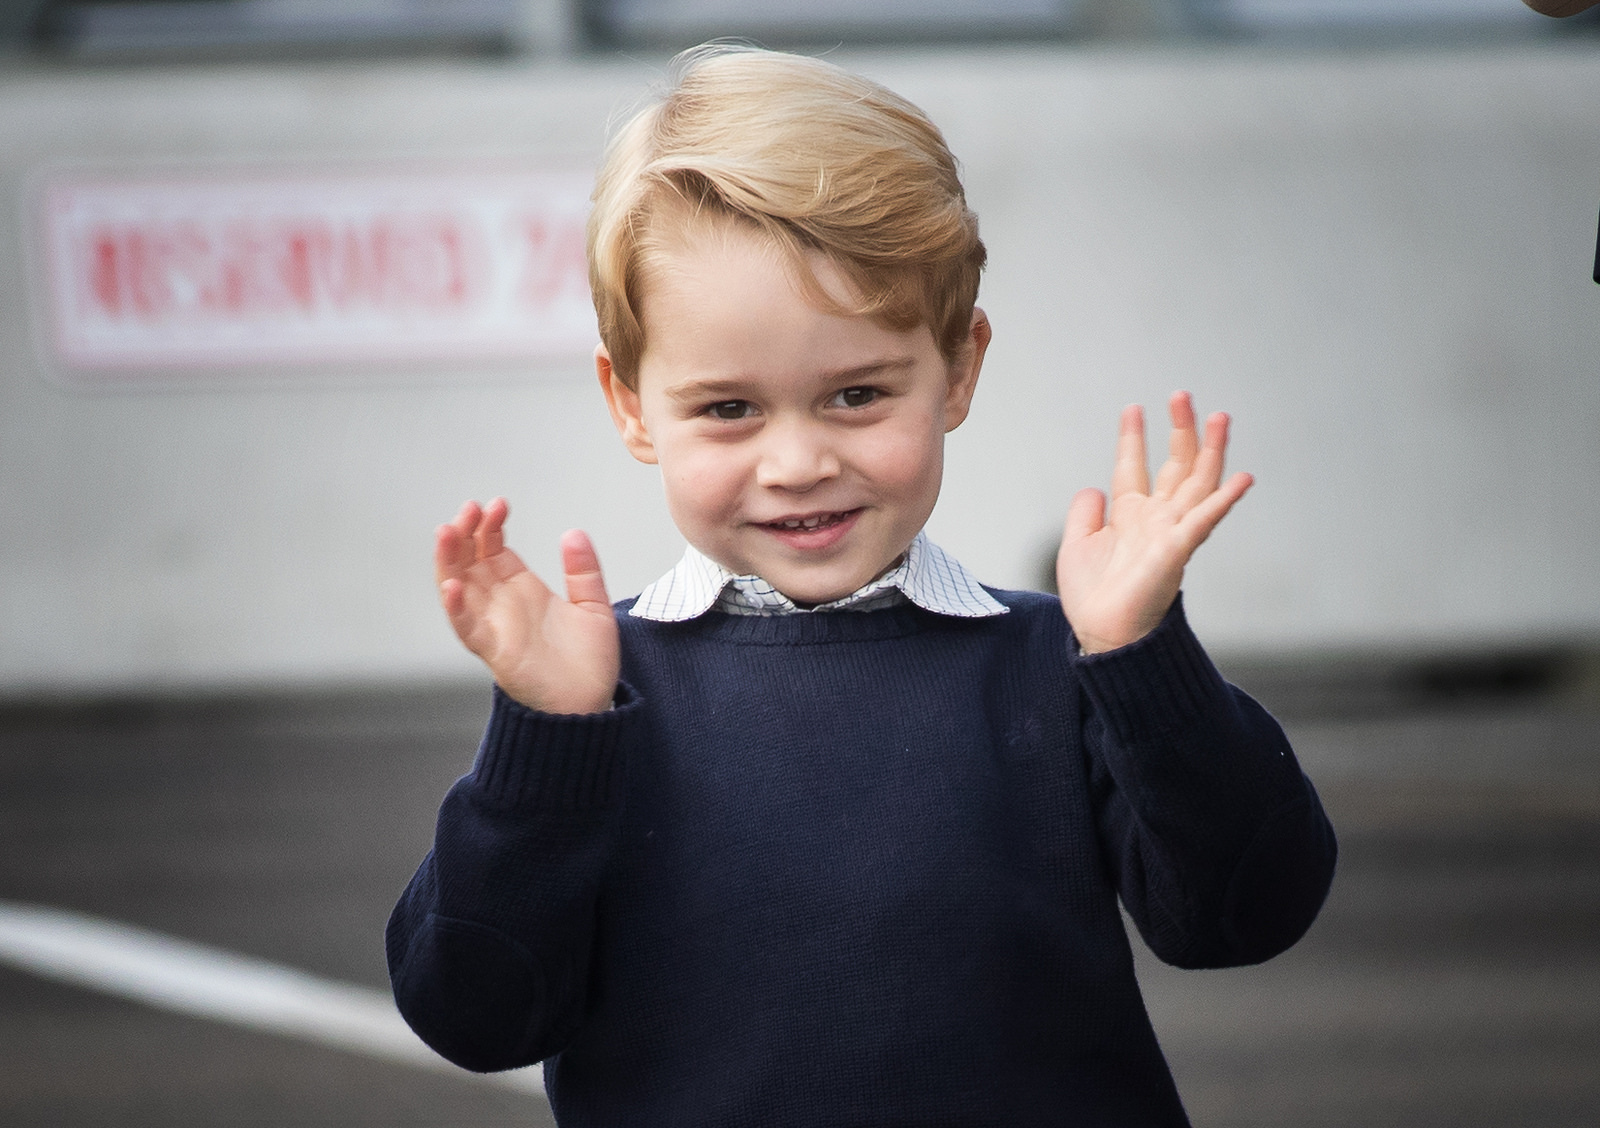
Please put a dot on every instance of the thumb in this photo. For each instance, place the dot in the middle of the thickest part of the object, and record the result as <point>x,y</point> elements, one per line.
<point>1086,515</point>
<point>585,584</point>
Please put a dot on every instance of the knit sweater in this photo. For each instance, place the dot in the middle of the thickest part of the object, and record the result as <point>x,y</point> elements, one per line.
<point>857,869</point>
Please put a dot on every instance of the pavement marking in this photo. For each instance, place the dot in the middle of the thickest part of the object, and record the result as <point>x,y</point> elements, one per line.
<point>189,978</point>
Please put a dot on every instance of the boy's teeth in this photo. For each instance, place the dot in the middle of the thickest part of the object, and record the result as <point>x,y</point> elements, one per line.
<point>808,522</point>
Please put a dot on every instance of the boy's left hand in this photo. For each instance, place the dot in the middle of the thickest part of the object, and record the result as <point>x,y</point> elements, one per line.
<point>1119,575</point>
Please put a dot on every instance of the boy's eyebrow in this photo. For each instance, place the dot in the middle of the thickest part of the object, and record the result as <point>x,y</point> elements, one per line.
<point>698,391</point>
<point>733,387</point>
<point>866,371</point>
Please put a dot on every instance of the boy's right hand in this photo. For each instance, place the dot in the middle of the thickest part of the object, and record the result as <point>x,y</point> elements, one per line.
<point>551,654</point>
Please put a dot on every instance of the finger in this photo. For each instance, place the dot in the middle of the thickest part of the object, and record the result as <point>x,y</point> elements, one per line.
<point>466,522</point>
<point>447,544</point>
<point>1182,446</point>
<point>1206,474</point>
<point>464,608</point>
<point>1130,474</point>
<point>1085,516</point>
<point>1205,516</point>
<point>490,535</point>
<point>454,549</point>
<point>453,542</point>
<point>585,584</point>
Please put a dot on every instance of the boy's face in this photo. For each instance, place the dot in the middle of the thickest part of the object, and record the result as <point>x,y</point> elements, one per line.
<point>797,444</point>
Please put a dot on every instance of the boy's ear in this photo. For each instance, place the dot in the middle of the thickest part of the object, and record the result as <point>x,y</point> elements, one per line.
<point>625,408</point>
<point>964,370</point>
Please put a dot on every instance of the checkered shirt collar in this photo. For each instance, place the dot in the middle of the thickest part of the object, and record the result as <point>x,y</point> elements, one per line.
<point>927,577</point>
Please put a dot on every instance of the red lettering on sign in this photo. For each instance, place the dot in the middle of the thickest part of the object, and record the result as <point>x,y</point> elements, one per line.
<point>187,269</point>
<point>556,261</point>
<point>280,268</point>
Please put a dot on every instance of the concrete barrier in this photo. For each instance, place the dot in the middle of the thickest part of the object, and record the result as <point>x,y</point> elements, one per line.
<point>1378,261</point>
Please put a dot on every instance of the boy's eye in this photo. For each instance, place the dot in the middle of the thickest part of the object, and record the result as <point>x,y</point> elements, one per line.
<point>729,409</point>
<point>856,397</point>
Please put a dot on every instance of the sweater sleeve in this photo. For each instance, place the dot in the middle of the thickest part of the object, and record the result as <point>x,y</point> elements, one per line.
<point>1221,850</point>
<point>489,945</point>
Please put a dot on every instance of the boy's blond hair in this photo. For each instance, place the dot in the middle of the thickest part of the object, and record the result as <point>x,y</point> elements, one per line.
<point>815,158</point>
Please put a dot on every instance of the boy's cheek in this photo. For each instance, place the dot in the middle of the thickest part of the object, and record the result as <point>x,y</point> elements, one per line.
<point>696,463</point>
<point>698,488</point>
<point>906,461</point>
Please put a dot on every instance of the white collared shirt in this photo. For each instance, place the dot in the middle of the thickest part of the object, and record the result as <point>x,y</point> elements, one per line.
<point>927,577</point>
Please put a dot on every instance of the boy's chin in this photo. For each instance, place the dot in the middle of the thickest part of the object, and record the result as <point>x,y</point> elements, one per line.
<point>813,591</point>
<point>808,595</point>
<point>807,600</point>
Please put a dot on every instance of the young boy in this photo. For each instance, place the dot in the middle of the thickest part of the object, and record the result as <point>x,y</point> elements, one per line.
<point>817,830</point>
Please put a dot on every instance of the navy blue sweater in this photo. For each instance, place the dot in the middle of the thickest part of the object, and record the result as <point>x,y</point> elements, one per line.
<point>857,869</point>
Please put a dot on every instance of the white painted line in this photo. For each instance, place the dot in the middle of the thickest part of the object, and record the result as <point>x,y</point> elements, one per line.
<point>178,975</point>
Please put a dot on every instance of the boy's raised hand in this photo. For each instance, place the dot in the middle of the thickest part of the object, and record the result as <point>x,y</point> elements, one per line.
<point>1118,573</point>
<point>555,655</point>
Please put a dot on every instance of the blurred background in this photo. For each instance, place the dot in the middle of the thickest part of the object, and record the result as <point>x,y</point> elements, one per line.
<point>283,282</point>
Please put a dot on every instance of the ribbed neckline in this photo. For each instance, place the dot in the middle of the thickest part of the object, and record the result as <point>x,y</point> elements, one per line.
<point>812,628</point>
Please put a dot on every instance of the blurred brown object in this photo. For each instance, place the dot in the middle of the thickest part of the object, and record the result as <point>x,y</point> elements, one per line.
<point>1560,8</point>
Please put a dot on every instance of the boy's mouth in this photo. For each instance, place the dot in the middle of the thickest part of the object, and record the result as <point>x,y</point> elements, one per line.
<point>813,532</point>
<point>813,521</point>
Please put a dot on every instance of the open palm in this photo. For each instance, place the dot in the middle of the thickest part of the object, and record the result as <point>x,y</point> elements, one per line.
<point>552,654</point>
<point>1119,570</point>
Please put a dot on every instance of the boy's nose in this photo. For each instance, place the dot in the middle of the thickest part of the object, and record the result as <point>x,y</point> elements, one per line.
<point>795,457</point>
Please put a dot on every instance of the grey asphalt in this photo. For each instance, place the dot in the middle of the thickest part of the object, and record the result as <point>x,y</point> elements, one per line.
<point>1453,978</point>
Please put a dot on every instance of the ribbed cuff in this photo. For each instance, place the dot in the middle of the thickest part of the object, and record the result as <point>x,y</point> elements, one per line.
<point>1162,682</point>
<point>568,761</point>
